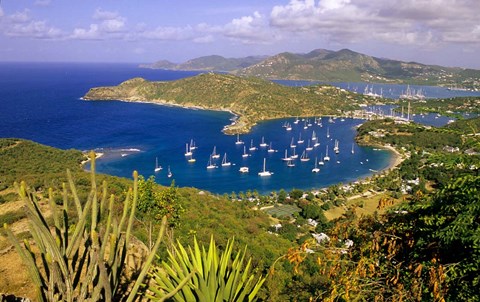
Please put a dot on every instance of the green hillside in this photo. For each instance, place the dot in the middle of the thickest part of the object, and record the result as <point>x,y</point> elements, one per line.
<point>252,99</point>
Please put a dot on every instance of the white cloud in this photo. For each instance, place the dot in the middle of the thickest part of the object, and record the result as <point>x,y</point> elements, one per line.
<point>110,25</point>
<point>404,21</point>
<point>43,2</point>
<point>169,33</point>
<point>101,14</point>
<point>86,34</point>
<point>34,29</point>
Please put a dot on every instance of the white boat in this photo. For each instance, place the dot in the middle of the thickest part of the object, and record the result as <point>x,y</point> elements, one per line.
<point>188,152</point>
<point>336,149</point>
<point>309,148</point>
<point>157,167</point>
<point>270,149</point>
<point>317,143</point>
<point>263,144</point>
<point>309,124</point>
<point>305,125</point>
<point>296,120</point>
<point>211,165</point>
<point>328,132</point>
<point>304,156</point>
<point>300,140</point>
<point>238,142</point>
<point>330,120</point>
<point>288,127</point>
<point>290,163</point>
<point>286,158</point>
<point>192,145</point>
<point>243,170</point>
<point>292,144</point>
<point>353,150</point>
<point>326,158</point>
<point>321,162</point>
<point>294,156</point>
<point>191,159</point>
<point>316,169</point>
<point>169,174</point>
<point>252,147</point>
<point>214,153</point>
<point>245,154</point>
<point>314,136</point>
<point>264,172</point>
<point>225,163</point>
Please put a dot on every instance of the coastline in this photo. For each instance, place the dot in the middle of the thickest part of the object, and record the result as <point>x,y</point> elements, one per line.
<point>97,156</point>
<point>396,159</point>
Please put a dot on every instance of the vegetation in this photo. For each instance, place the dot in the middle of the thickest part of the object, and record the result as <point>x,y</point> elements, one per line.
<point>212,275</point>
<point>85,260</point>
<point>252,99</point>
<point>448,106</point>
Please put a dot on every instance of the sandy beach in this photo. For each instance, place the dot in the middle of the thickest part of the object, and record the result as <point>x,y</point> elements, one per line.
<point>397,158</point>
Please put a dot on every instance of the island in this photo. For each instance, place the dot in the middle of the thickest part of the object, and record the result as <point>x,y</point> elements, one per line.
<point>251,99</point>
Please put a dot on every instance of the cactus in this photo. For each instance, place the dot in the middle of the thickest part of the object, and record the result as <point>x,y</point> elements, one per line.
<point>213,277</point>
<point>82,261</point>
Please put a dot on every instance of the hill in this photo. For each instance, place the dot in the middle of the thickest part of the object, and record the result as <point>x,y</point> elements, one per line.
<point>208,63</point>
<point>252,99</point>
<point>334,66</point>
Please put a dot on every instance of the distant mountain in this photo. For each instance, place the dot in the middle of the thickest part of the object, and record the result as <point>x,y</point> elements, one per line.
<point>208,63</point>
<point>334,66</point>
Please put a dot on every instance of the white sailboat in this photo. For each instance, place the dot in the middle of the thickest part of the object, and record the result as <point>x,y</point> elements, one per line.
<point>214,153</point>
<point>264,172</point>
<point>157,167</point>
<point>296,120</point>
<point>243,170</point>
<point>294,156</point>
<point>321,162</point>
<point>304,156</point>
<point>191,159</point>
<point>290,163</point>
<point>316,169</point>
<point>336,149</point>
<point>188,152</point>
<point>245,154</point>
<point>169,174</point>
<point>309,148</point>
<point>328,132</point>
<point>238,142</point>
<point>292,144</point>
<point>270,149</point>
<point>314,136</point>
<point>252,147</point>
<point>225,163</point>
<point>326,158</point>
<point>286,158</point>
<point>288,127</point>
<point>300,140</point>
<point>211,165</point>
<point>263,144</point>
<point>353,150</point>
<point>192,145</point>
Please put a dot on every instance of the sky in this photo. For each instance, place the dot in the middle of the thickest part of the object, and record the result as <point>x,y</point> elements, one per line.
<point>441,32</point>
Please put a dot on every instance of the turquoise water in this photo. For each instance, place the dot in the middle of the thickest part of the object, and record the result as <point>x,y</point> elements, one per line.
<point>41,102</point>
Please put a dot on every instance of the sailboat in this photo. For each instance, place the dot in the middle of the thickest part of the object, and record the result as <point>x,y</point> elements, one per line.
<point>292,144</point>
<point>290,163</point>
<point>353,150</point>
<point>286,158</point>
<point>305,125</point>
<point>304,156</point>
<point>309,148</point>
<point>225,163</point>
<point>326,158</point>
<point>188,152</point>
<point>243,169</point>
<point>321,162</point>
<point>296,120</point>
<point>314,136</point>
<point>316,169</point>
<point>288,127</point>
<point>157,167</point>
<point>264,172</point>
<point>252,147</point>
<point>192,145</point>
<point>238,142</point>
<point>245,154</point>
<point>270,149</point>
<point>191,159</point>
<point>214,152</point>
<point>263,144</point>
<point>328,132</point>
<point>300,140</point>
<point>336,149</point>
<point>169,174</point>
<point>211,165</point>
<point>294,156</point>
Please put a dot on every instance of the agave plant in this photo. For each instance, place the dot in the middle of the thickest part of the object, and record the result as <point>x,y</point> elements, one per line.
<point>198,275</point>
<point>82,261</point>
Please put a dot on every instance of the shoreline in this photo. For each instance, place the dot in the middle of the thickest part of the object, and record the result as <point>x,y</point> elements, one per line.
<point>97,156</point>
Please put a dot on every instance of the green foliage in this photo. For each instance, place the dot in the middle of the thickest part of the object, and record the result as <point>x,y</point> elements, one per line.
<point>211,276</point>
<point>84,261</point>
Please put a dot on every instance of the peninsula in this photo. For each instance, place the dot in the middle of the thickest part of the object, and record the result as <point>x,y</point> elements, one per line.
<point>251,99</point>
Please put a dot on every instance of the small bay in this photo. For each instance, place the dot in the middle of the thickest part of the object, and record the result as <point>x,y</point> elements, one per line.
<point>41,102</point>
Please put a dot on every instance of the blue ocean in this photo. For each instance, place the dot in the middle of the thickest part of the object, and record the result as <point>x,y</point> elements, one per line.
<point>42,102</point>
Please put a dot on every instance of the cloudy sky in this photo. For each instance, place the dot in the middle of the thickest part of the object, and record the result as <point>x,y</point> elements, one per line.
<point>444,32</point>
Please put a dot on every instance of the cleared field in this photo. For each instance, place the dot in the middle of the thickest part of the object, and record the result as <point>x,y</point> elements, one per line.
<point>283,210</point>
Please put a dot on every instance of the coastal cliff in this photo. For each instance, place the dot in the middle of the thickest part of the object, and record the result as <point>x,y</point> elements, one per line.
<point>251,99</point>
